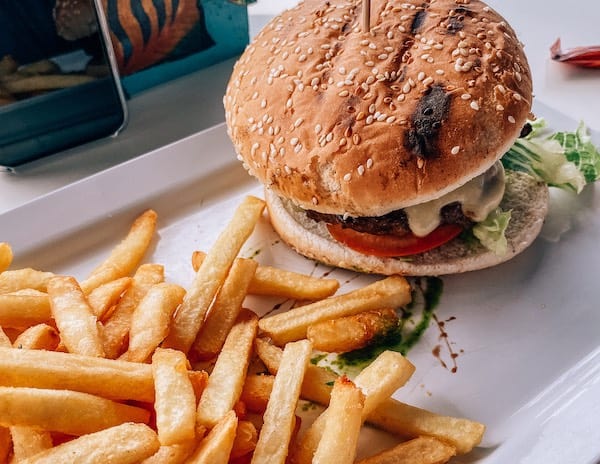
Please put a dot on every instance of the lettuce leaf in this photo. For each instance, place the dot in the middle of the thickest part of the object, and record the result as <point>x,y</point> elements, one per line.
<point>491,231</point>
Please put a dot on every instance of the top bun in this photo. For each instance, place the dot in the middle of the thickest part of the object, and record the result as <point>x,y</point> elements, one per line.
<point>344,121</point>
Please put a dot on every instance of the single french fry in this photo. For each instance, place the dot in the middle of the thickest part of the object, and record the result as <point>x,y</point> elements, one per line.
<point>409,421</point>
<point>391,292</point>
<point>28,442</point>
<point>273,281</point>
<point>199,381</point>
<point>77,324</point>
<point>378,381</point>
<point>150,320</point>
<point>246,437</point>
<point>276,432</point>
<point>175,401</point>
<point>342,427</point>
<point>23,309</point>
<point>6,256</point>
<point>125,444</point>
<point>116,328</point>
<point>212,274</point>
<point>119,380</point>
<point>317,381</point>
<point>226,380</point>
<point>18,279</point>
<point>38,337</point>
<point>105,296</point>
<point>172,454</point>
<point>65,411</point>
<point>224,310</point>
<point>46,82</point>
<point>126,256</point>
<point>216,447</point>
<point>421,450</point>
<point>256,392</point>
<point>352,332</point>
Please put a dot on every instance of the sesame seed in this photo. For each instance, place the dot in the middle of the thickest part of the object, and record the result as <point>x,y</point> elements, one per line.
<point>372,108</point>
<point>298,122</point>
<point>369,163</point>
<point>297,148</point>
<point>421,76</point>
<point>455,150</point>
<point>428,81</point>
<point>466,96</point>
<point>511,119</point>
<point>294,141</point>
<point>439,72</point>
<point>347,177</point>
<point>356,139</point>
<point>315,201</point>
<point>369,119</point>
<point>390,119</point>
<point>329,137</point>
<point>344,93</point>
<point>383,56</point>
<point>474,105</point>
<point>360,169</point>
<point>318,128</point>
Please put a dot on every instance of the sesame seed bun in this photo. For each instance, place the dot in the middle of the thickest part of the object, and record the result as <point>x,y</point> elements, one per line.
<point>345,121</point>
<point>525,197</point>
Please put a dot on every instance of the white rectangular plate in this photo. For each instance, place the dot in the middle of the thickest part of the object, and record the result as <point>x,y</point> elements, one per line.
<point>524,334</point>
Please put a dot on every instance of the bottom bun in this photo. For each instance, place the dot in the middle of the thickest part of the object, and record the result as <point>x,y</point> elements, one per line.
<point>526,197</point>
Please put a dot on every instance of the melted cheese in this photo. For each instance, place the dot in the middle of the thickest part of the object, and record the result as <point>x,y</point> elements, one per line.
<point>478,197</point>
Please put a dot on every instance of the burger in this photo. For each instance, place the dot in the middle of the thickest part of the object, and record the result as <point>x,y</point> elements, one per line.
<point>379,142</point>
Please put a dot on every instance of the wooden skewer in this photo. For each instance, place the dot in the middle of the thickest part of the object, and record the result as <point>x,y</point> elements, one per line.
<point>366,16</point>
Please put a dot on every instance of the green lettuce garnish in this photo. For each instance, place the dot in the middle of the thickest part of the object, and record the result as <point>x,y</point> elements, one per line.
<point>567,160</point>
<point>491,231</point>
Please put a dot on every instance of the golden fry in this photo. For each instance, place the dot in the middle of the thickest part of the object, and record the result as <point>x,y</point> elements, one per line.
<point>13,281</point>
<point>105,296</point>
<point>256,392</point>
<point>175,401</point>
<point>212,274</point>
<point>116,328</point>
<point>352,332</point>
<point>292,325</point>
<point>28,442</point>
<point>224,310</point>
<point>344,419</point>
<point>273,281</point>
<point>126,256</point>
<point>245,439</point>
<point>125,444</point>
<point>6,256</point>
<point>77,324</point>
<point>22,309</point>
<point>38,337</point>
<point>45,82</point>
<point>119,380</point>
<point>65,411</point>
<point>421,450</point>
<point>172,454</point>
<point>276,432</point>
<point>151,319</point>
<point>216,447</point>
<point>226,380</point>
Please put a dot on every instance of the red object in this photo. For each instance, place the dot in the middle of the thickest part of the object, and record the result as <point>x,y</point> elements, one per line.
<point>587,57</point>
<point>393,245</point>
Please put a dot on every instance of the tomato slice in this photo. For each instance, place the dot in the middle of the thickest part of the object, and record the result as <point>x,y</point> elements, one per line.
<point>393,245</point>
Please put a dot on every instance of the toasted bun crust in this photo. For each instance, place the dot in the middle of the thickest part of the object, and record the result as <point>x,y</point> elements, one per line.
<point>527,198</point>
<point>345,121</point>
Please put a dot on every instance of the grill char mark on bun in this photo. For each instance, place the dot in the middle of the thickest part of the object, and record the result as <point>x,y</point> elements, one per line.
<point>426,122</point>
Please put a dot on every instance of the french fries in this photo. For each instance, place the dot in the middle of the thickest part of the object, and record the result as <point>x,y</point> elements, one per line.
<point>126,444</point>
<point>268,280</point>
<point>423,450</point>
<point>175,402</point>
<point>352,332</point>
<point>6,256</point>
<point>212,273</point>
<point>80,413</point>
<point>125,257</point>
<point>226,380</point>
<point>125,366</point>
<point>276,432</point>
<point>342,426</point>
<point>74,317</point>
<point>150,320</point>
<point>292,325</point>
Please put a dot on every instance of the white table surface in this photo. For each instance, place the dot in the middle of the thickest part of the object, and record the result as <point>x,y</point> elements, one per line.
<point>169,113</point>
